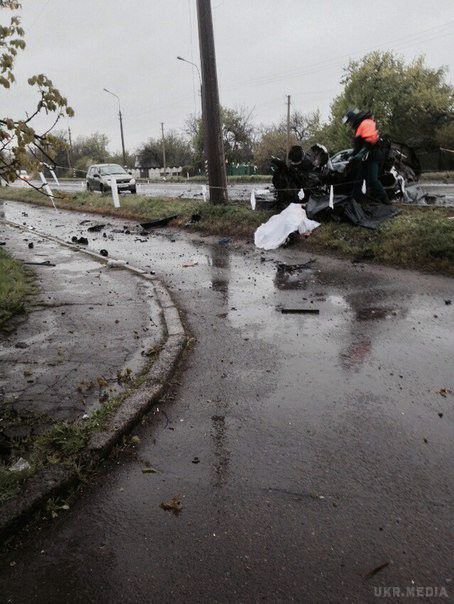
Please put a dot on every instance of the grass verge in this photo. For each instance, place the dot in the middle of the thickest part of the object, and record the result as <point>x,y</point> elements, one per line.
<point>419,238</point>
<point>447,176</point>
<point>64,443</point>
<point>16,284</point>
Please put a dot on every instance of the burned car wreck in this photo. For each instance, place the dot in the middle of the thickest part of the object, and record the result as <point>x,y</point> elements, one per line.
<point>324,183</point>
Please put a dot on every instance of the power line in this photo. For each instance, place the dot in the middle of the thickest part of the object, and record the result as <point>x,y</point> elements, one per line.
<point>321,65</point>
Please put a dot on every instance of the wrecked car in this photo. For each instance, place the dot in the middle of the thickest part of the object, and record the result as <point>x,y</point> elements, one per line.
<point>315,172</point>
<point>323,184</point>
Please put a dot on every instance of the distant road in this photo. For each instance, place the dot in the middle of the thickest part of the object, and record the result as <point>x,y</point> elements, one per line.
<point>237,192</point>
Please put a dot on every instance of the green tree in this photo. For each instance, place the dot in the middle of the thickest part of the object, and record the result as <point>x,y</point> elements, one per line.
<point>305,130</point>
<point>117,158</point>
<point>305,127</point>
<point>237,132</point>
<point>272,142</point>
<point>21,146</point>
<point>89,150</point>
<point>410,101</point>
<point>444,136</point>
<point>178,152</point>
<point>238,135</point>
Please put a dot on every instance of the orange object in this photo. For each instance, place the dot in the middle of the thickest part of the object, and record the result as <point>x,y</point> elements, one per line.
<point>367,130</point>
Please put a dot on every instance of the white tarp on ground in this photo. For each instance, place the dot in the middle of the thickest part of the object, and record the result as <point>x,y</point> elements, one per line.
<point>273,233</point>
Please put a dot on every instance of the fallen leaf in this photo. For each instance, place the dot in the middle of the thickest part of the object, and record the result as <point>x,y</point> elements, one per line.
<point>376,570</point>
<point>173,505</point>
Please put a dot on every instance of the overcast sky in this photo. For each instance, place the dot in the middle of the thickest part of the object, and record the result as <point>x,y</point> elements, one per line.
<point>265,49</point>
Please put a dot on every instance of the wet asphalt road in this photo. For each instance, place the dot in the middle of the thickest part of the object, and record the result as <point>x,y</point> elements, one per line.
<point>325,448</point>
<point>237,192</point>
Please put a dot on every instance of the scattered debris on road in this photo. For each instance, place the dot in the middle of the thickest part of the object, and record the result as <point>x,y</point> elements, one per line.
<point>299,311</point>
<point>159,222</point>
<point>79,240</point>
<point>44,263</point>
<point>173,505</point>
<point>148,469</point>
<point>376,570</point>
<point>96,228</point>
<point>104,253</point>
<point>290,268</point>
<point>20,465</point>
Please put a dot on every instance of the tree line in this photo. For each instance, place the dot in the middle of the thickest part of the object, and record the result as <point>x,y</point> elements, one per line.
<point>412,102</point>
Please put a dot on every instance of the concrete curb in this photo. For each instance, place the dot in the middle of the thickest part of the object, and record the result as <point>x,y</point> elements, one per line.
<point>49,482</point>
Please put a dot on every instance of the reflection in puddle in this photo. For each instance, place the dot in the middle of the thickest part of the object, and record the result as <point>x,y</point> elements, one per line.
<point>374,312</point>
<point>293,278</point>
<point>366,325</point>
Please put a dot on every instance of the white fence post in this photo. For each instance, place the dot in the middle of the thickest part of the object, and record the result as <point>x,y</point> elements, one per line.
<point>47,188</point>
<point>114,189</point>
<point>54,176</point>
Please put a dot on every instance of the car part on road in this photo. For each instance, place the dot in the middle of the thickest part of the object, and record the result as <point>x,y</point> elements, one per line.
<point>346,209</point>
<point>299,311</point>
<point>159,222</point>
<point>96,228</point>
<point>44,263</point>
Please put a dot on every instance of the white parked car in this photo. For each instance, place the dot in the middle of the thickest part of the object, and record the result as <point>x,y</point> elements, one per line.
<point>99,177</point>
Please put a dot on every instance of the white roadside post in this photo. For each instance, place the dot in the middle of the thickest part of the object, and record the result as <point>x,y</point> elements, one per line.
<point>47,188</point>
<point>331,197</point>
<point>253,200</point>
<point>114,189</point>
<point>54,176</point>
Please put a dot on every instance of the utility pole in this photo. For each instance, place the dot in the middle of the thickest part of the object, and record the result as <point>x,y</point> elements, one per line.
<point>122,137</point>
<point>288,125</point>
<point>121,124</point>
<point>217,179</point>
<point>163,150</point>
<point>69,149</point>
